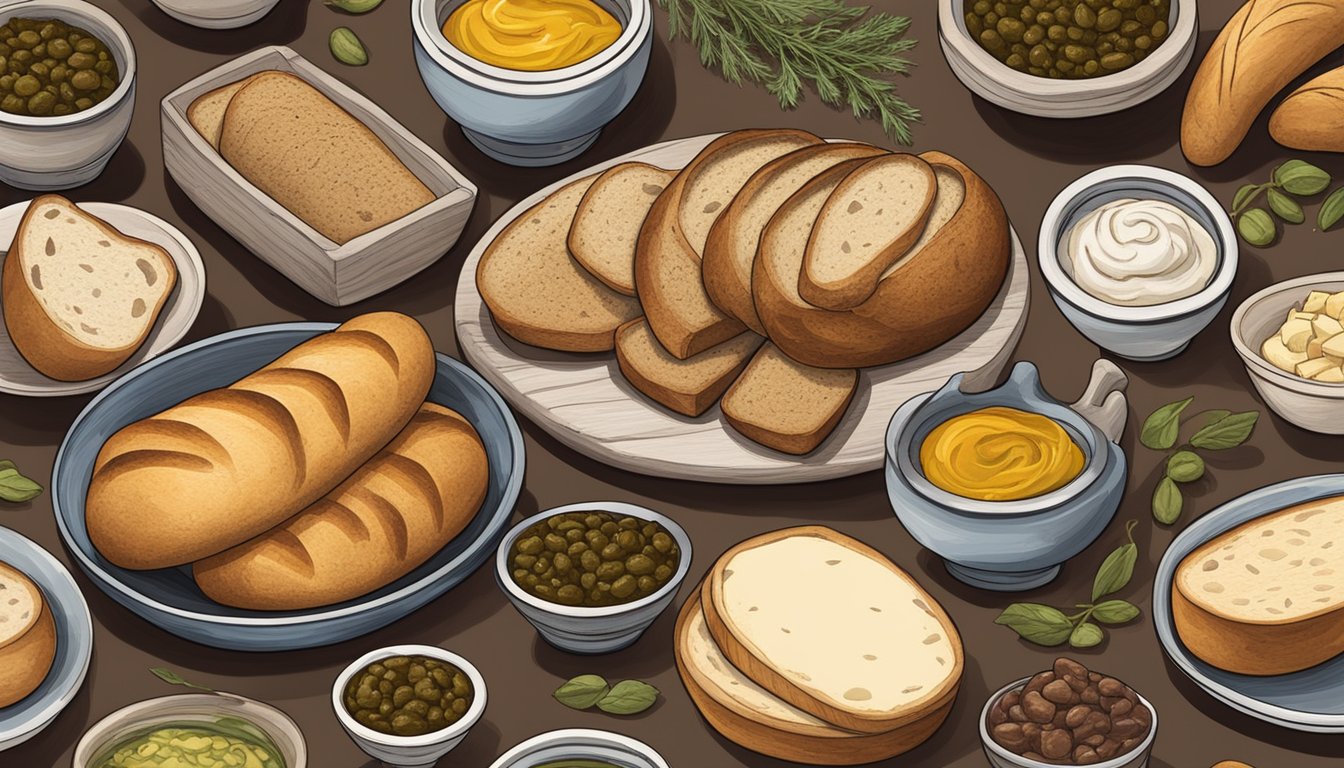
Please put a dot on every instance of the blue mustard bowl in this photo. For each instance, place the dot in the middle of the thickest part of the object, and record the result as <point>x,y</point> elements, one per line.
<point>1010,546</point>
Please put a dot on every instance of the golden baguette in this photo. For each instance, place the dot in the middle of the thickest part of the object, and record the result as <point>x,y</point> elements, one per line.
<point>391,516</point>
<point>228,464</point>
<point>1312,118</point>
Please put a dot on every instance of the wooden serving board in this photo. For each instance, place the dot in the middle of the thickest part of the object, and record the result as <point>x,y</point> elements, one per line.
<point>584,402</point>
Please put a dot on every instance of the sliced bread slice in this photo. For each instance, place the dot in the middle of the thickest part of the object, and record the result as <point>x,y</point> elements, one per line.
<point>667,259</point>
<point>691,386</point>
<point>871,219</point>
<point>27,636</point>
<point>538,294</point>
<point>606,226</point>
<point>79,296</point>
<point>206,113</point>
<point>731,247</point>
<point>783,404</point>
<point>1266,598</point>
<point>833,627</point>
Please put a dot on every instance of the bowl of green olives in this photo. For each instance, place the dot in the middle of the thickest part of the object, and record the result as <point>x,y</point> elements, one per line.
<point>591,577</point>
<point>67,92</point>
<point>1067,58</point>
<point>408,705</point>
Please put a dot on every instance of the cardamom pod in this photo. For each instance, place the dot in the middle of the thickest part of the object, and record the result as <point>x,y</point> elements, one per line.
<point>1332,210</point>
<point>354,6</point>
<point>347,48</point>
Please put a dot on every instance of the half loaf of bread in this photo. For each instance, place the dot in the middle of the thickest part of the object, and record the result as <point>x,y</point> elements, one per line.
<point>27,636</point>
<point>691,386</point>
<point>606,225</point>
<point>1312,117</point>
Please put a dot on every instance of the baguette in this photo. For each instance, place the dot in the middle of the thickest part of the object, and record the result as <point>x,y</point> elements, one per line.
<point>1266,45</point>
<point>27,636</point>
<point>387,519</point>
<point>689,387</point>
<point>228,464</point>
<point>1312,118</point>
<point>606,225</point>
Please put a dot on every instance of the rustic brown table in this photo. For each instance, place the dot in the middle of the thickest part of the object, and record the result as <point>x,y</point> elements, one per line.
<point>1027,160</point>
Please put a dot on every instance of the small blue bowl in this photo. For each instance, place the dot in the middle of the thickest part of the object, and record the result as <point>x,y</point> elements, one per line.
<point>1009,546</point>
<point>170,599</point>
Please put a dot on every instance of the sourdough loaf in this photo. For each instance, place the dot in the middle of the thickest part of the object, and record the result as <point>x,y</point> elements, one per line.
<point>27,636</point>
<point>606,225</point>
<point>229,464</point>
<point>537,293</point>
<point>388,518</point>
<point>80,297</point>
<point>1312,117</point>
<point>691,386</point>
<point>786,405</point>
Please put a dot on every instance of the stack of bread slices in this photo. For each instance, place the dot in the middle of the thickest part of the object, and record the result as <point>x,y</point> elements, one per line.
<point>807,645</point>
<point>761,276</point>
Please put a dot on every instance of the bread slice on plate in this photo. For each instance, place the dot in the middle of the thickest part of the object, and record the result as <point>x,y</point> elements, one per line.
<point>206,113</point>
<point>871,219</point>
<point>27,636</point>
<point>538,294</point>
<point>785,405</point>
<point>754,718</point>
<point>672,240</point>
<point>731,246</point>
<point>1265,598</point>
<point>606,226</point>
<point>691,386</point>
<point>80,297</point>
<point>834,628</point>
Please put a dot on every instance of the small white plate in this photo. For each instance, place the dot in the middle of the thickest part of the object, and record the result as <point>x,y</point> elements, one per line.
<point>17,377</point>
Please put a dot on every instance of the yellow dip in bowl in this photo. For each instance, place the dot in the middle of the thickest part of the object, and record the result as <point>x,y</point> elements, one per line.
<point>531,35</point>
<point>1000,454</point>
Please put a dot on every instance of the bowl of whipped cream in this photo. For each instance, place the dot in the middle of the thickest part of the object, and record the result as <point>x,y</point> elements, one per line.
<point>1139,259</point>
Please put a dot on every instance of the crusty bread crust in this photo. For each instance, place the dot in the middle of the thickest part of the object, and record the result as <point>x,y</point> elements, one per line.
<point>1312,118</point>
<point>1256,649</point>
<point>26,659</point>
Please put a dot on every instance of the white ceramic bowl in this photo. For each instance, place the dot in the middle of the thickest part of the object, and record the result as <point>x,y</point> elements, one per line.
<point>1002,758</point>
<point>217,14</point>
<point>1029,94</point>
<point>49,153</point>
<point>581,744</point>
<point>409,751</point>
<point>1313,405</point>
<point>533,118</point>
<point>581,629</point>
<point>202,707</point>
<point>1148,333</point>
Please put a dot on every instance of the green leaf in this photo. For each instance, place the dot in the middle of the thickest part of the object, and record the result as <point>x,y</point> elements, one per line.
<point>14,487</point>
<point>1215,415</point>
<point>172,678</point>
<point>1036,623</point>
<point>1301,178</point>
<point>1332,210</point>
<point>1115,612</point>
<point>1285,207</point>
<point>355,6</point>
<point>347,48</point>
<point>1167,501</point>
<point>1160,429</point>
<point>628,697</point>
<point>1115,571</point>
<point>7,464</point>
<point>1228,432</point>
<point>1086,635</point>
<point>582,692</point>
<point>1244,197</point>
<point>1256,227</point>
<point>1185,467</point>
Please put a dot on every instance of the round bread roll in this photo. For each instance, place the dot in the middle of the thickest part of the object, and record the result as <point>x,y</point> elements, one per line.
<point>27,636</point>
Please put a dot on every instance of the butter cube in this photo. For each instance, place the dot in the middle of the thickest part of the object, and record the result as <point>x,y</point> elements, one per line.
<point>1314,349</point>
<point>1315,302</point>
<point>1332,375</point>
<point>1279,356</point>
<point>1295,334</point>
<point>1334,346</point>
<point>1334,306</point>
<point>1313,368</point>
<point>1325,326</point>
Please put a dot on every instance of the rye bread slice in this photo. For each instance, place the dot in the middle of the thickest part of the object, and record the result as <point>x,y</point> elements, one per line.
<point>785,405</point>
<point>691,386</point>
<point>206,113</point>
<point>537,293</point>
<point>606,226</point>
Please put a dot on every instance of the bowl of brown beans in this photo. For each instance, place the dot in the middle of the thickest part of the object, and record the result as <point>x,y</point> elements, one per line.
<point>1068,715</point>
<point>1067,58</point>
<point>408,705</point>
<point>591,577</point>
<point>67,92</point>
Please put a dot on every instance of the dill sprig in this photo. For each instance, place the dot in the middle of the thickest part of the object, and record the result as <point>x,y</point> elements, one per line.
<point>844,52</point>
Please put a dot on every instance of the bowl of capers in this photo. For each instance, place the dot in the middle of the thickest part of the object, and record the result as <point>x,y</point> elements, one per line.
<point>591,577</point>
<point>67,92</point>
<point>1067,58</point>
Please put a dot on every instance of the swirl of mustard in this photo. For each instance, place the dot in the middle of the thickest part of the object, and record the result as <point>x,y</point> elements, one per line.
<point>531,35</point>
<point>1000,454</point>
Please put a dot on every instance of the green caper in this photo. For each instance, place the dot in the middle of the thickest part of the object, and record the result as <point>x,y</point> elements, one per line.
<point>27,86</point>
<point>41,103</point>
<point>1072,31</point>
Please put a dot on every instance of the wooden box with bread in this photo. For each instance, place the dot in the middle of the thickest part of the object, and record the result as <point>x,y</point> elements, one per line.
<point>335,194</point>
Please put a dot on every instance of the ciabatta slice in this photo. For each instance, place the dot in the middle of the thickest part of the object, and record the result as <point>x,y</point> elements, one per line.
<point>606,226</point>
<point>786,405</point>
<point>691,386</point>
<point>79,296</point>
<point>27,636</point>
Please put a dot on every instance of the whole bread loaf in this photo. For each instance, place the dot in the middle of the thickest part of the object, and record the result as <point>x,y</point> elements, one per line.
<point>387,519</point>
<point>231,463</point>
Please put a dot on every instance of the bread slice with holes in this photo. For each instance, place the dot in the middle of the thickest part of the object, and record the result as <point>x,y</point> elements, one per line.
<point>538,294</point>
<point>871,219</point>
<point>834,628</point>
<point>1267,597</point>
<point>606,226</point>
<point>786,405</point>
<point>79,296</point>
<point>691,386</point>
<point>27,636</point>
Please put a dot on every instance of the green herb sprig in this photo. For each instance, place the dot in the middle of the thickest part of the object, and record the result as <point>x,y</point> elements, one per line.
<point>1049,626</point>
<point>172,678</point>
<point>845,52</point>
<point>1221,430</point>
<point>1295,178</point>
<point>14,487</point>
<point>627,697</point>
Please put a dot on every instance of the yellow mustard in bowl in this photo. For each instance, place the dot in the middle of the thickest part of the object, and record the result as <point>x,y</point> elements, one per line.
<point>531,35</point>
<point>1000,454</point>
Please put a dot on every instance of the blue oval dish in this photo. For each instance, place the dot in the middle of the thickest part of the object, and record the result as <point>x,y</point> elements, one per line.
<point>170,599</point>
